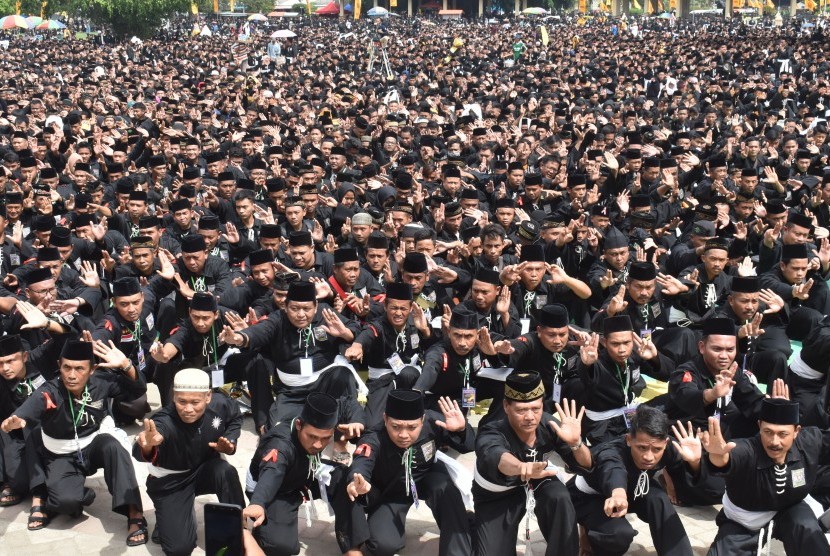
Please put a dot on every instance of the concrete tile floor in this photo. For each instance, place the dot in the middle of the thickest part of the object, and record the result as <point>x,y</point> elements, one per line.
<point>99,531</point>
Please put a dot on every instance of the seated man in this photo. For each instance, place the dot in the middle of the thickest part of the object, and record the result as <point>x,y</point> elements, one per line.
<point>71,411</point>
<point>513,478</point>
<point>182,444</point>
<point>286,470</point>
<point>396,465</point>
<point>767,478</point>
<point>622,480</point>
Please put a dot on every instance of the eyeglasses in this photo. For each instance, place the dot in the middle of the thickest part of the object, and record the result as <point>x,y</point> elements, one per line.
<point>45,291</point>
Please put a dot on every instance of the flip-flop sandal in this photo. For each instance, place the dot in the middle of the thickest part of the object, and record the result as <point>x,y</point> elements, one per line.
<point>142,530</point>
<point>8,497</point>
<point>43,519</point>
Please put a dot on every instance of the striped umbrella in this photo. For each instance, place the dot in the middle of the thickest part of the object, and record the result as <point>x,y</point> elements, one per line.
<point>12,21</point>
<point>51,25</point>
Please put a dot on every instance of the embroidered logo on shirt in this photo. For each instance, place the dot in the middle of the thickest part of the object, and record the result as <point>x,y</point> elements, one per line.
<point>216,423</point>
<point>364,450</point>
<point>798,479</point>
<point>271,456</point>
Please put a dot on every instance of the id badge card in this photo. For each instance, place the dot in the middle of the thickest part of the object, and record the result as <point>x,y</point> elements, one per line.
<point>14,259</point>
<point>645,334</point>
<point>319,334</point>
<point>468,398</point>
<point>396,363</point>
<point>306,366</point>
<point>217,377</point>
<point>525,325</point>
<point>142,362</point>
<point>557,392</point>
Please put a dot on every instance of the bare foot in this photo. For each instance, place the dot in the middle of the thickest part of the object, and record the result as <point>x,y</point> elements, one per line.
<point>668,484</point>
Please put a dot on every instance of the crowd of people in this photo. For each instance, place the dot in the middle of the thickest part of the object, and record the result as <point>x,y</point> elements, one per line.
<point>372,229</point>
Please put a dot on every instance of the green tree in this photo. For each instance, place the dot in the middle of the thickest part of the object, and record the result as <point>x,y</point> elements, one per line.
<point>125,17</point>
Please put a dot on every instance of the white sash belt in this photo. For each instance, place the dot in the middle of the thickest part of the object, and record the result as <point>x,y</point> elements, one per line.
<point>753,521</point>
<point>487,485</point>
<point>291,379</point>
<point>604,415</point>
<point>802,369</point>
<point>583,486</point>
<point>159,472</point>
<point>66,446</point>
<point>460,477</point>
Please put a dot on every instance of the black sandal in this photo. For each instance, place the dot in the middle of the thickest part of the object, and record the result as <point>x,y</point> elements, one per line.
<point>142,530</point>
<point>44,519</point>
<point>11,499</point>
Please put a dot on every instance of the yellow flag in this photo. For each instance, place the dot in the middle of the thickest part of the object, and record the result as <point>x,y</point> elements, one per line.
<point>738,4</point>
<point>43,9</point>
<point>216,6</point>
<point>672,4</point>
<point>17,7</point>
<point>583,7</point>
<point>545,38</point>
<point>357,8</point>
<point>194,8</point>
<point>232,4</point>
<point>308,6</point>
<point>636,5</point>
<point>770,5</point>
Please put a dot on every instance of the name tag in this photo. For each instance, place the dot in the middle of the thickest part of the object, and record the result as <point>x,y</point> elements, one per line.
<point>14,259</point>
<point>557,392</point>
<point>396,363</point>
<point>798,479</point>
<point>150,321</point>
<point>306,366</point>
<point>525,325</point>
<point>468,398</point>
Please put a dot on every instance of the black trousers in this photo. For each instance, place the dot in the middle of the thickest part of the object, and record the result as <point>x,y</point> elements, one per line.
<point>337,381</point>
<point>381,526</point>
<point>612,536</point>
<point>173,498</point>
<point>797,527</point>
<point>498,519</point>
<point>65,477</point>
<point>14,468</point>
<point>810,395</point>
<point>279,535</point>
<point>379,389</point>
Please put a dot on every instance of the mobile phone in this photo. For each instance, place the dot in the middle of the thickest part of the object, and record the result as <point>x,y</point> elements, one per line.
<point>223,530</point>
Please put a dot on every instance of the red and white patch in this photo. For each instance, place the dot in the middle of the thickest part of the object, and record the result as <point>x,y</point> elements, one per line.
<point>687,376</point>
<point>271,456</point>
<point>364,450</point>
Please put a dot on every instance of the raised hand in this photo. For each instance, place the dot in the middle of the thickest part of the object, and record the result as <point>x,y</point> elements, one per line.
<point>503,301</point>
<point>802,291</point>
<point>35,319</point>
<point>725,381</point>
<point>107,261</point>
<point>671,285</point>
<point>645,347</point>
<point>618,304</point>
<point>236,322</point>
<point>780,389</point>
<point>485,342</point>
<point>229,336</point>
<point>223,446</point>
<point>419,319</point>
<point>167,271</point>
<point>589,353</point>
<point>557,275</point>
<point>752,328</point>
<point>334,326</point>
<point>607,280</point>
<point>357,487</point>
<point>89,276</point>
<point>231,233</point>
<point>687,444</point>
<point>569,428</point>
<point>714,443</point>
<point>772,235</point>
<point>535,470</point>
<point>111,357</point>
<point>150,436</point>
<point>453,418</point>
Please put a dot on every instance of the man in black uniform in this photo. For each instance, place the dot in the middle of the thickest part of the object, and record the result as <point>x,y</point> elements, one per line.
<point>287,471</point>
<point>183,444</point>
<point>304,342</point>
<point>392,347</point>
<point>622,481</point>
<point>612,377</point>
<point>767,478</point>
<point>397,464</point>
<point>71,411</point>
<point>513,478</point>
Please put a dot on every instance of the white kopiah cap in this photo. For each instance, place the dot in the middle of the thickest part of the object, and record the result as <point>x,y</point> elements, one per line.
<point>191,380</point>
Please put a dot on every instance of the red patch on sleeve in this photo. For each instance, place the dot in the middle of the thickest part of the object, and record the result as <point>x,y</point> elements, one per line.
<point>522,339</point>
<point>49,403</point>
<point>687,376</point>
<point>374,330</point>
<point>174,331</point>
<point>108,325</point>
<point>364,450</point>
<point>271,456</point>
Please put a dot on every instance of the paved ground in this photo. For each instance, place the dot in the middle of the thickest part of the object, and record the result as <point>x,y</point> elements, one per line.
<point>99,531</point>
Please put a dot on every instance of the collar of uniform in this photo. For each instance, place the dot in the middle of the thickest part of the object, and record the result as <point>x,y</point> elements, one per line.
<point>765,462</point>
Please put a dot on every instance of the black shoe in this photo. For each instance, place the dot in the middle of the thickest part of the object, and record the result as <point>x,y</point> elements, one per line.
<point>89,497</point>
<point>155,537</point>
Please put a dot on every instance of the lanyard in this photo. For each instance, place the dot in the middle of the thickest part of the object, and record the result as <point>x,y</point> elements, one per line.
<point>465,370</point>
<point>307,336</point>
<point>137,331</point>
<point>198,284</point>
<point>529,297</point>
<point>409,482</point>
<point>644,313</point>
<point>26,385</point>
<point>84,399</point>
<point>557,373</point>
<point>627,384</point>
<point>215,351</point>
<point>400,341</point>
